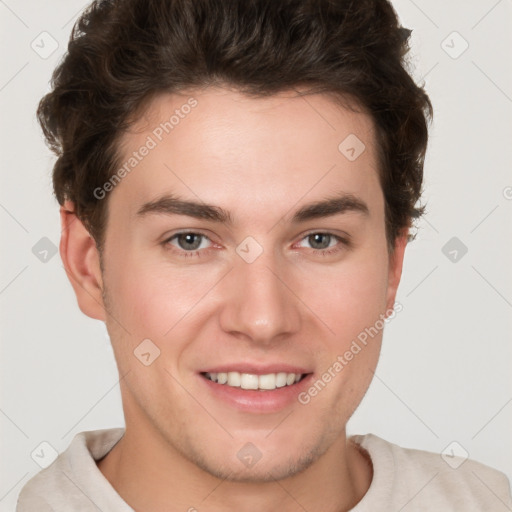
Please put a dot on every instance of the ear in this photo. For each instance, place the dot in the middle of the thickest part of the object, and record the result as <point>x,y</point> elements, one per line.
<point>82,263</point>
<point>396,259</point>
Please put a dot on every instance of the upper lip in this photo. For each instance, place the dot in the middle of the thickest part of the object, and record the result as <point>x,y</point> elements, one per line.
<point>256,369</point>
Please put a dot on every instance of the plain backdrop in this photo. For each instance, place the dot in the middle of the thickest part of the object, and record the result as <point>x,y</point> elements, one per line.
<point>446,365</point>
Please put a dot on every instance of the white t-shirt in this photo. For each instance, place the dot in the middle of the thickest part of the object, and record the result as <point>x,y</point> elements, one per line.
<point>403,480</point>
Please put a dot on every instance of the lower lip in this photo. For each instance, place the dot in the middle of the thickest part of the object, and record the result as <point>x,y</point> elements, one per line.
<point>253,400</point>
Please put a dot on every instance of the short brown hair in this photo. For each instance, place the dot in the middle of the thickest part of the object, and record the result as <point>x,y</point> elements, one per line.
<point>122,52</point>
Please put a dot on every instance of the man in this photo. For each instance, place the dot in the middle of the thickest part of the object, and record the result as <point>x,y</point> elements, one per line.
<point>237,182</point>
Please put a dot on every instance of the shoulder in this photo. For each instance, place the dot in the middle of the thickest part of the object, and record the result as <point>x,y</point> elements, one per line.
<point>60,485</point>
<point>428,480</point>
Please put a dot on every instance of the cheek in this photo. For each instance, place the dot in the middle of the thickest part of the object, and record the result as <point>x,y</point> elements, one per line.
<point>156,303</point>
<point>155,300</point>
<point>350,298</point>
<point>352,305</point>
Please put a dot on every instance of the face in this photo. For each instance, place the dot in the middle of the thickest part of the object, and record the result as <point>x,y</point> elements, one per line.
<point>245,244</point>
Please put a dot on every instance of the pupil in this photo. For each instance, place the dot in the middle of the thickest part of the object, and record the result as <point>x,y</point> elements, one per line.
<point>186,241</point>
<point>320,240</point>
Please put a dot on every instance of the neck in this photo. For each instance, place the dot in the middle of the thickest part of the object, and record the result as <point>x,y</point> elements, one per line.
<point>150,474</point>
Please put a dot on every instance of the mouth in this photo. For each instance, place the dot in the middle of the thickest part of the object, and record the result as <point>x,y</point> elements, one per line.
<point>255,382</point>
<point>255,388</point>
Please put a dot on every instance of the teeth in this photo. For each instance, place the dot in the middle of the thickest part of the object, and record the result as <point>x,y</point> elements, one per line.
<point>269,381</point>
<point>281,380</point>
<point>234,379</point>
<point>249,381</point>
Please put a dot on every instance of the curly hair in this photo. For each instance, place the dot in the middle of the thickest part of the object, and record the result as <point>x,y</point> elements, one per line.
<point>123,52</point>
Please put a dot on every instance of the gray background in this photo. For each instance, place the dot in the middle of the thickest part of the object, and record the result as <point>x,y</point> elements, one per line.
<point>445,371</point>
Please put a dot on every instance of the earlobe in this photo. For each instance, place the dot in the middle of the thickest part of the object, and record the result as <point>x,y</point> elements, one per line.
<point>82,263</point>
<point>396,259</point>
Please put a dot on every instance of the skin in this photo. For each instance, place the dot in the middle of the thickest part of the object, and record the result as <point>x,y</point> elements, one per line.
<point>261,160</point>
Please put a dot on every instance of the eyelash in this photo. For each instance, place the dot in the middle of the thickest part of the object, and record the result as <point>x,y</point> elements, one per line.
<point>202,252</point>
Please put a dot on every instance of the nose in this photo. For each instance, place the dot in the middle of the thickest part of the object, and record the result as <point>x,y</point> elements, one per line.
<point>259,303</point>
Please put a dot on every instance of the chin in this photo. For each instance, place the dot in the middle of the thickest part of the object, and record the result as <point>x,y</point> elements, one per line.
<point>260,472</point>
<point>249,463</point>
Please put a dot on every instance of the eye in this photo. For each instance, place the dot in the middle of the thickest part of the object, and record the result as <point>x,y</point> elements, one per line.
<point>189,241</point>
<point>324,243</point>
<point>320,240</point>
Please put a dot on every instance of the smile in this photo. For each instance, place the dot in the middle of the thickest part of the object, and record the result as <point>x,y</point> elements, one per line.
<point>267,382</point>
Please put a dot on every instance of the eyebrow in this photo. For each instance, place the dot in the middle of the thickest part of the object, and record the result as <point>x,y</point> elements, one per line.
<point>342,203</point>
<point>170,204</point>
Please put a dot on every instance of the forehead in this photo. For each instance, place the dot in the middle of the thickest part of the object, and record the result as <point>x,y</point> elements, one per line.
<point>226,148</point>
